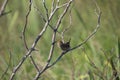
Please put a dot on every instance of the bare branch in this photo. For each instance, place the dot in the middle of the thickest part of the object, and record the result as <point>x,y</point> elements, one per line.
<point>34,63</point>
<point>81,43</point>
<point>52,47</point>
<point>57,26</point>
<point>55,30</point>
<point>46,9</point>
<point>3,8</point>
<point>63,5</point>
<point>41,15</point>
<point>33,45</point>
<point>53,41</point>
<point>25,26</point>
<point>90,36</point>
<point>58,1</point>
<point>53,5</point>
<point>24,31</point>
<point>97,7</point>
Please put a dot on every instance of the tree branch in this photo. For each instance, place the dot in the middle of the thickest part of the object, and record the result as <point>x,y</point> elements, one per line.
<point>53,40</point>
<point>34,43</point>
<point>3,8</point>
<point>25,26</point>
<point>90,36</point>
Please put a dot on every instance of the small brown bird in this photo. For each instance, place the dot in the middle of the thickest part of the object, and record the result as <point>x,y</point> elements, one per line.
<point>64,46</point>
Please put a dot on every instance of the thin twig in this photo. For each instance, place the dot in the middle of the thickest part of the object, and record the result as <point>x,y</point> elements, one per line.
<point>48,65</point>
<point>53,41</point>
<point>46,9</point>
<point>3,8</point>
<point>25,26</point>
<point>90,36</point>
<point>24,31</point>
<point>53,4</point>
<point>33,45</point>
<point>32,59</point>
<point>58,1</point>
<point>63,5</point>
<point>57,26</point>
<point>41,15</point>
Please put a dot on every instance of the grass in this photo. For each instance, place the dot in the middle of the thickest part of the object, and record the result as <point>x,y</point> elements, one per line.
<point>92,62</point>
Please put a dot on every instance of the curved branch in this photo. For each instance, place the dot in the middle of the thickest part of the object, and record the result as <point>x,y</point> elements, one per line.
<point>53,40</point>
<point>33,45</point>
<point>3,8</point>
<point>90,36</point>
<point>25,26</point>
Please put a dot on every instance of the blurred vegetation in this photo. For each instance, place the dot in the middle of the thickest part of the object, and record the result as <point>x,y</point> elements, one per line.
<point>77,64</point>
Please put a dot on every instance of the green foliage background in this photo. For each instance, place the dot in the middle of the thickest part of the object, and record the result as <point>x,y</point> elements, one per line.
<point>73,66</point>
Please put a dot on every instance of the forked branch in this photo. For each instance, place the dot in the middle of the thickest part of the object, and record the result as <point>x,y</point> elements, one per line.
<point>29,51</point>
<point>50,15</point>
<point>81,44</point>
<point>2,10</point>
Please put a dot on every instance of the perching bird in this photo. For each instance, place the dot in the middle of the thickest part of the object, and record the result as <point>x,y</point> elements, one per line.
<point>64,46</point>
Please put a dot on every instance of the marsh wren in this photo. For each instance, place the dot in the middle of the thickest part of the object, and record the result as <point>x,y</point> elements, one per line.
<point>64,45</point>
